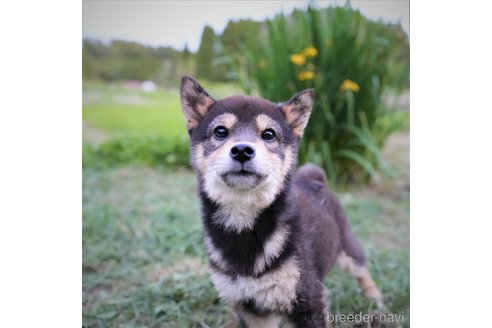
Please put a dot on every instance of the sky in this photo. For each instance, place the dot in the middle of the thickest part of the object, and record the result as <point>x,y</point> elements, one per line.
<point>176,23</point>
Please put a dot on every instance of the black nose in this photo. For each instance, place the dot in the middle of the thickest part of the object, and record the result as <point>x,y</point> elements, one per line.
<point>242,152</point>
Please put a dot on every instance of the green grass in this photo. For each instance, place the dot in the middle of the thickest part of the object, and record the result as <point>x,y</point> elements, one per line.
<point>144,262</point>
<point>120,111</point>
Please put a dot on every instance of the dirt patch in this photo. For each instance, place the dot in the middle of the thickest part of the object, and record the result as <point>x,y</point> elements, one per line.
<point>395,184</point>
<point>91,134</point>
<point>397,151</point>
<point>91,97</point>
<point>188,264</point>
<point>130,99</point>
<point>401,100</point>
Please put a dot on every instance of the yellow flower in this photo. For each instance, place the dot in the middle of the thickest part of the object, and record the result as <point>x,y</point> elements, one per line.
<point>349,85</point>
<point>306,75</point>
<point>298,59</point>
<point>310,52</point>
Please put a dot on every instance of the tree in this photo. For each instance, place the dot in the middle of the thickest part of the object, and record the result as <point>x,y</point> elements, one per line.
<point>186,53</point>
<point>205,54</point>
<point>243,33</point>
<point>209,54</point>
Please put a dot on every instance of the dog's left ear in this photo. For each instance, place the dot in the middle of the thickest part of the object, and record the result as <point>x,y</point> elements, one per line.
<point>298,109</point>
<point>195,101</point>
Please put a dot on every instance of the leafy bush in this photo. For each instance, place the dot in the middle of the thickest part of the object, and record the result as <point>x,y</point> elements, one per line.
<point>155,151</point>
<point>349,61</point>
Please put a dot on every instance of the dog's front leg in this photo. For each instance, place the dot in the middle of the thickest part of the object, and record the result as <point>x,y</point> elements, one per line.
<point>308,319</point>
<point>309,314</point>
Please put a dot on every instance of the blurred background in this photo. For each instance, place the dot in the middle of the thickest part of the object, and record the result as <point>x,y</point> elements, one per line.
<point>144,262</point>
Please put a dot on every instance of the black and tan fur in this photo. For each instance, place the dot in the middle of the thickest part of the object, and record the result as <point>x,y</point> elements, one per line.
<point>271,233</point>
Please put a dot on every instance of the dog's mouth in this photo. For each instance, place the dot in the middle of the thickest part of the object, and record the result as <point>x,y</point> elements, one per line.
<point>242,179</point>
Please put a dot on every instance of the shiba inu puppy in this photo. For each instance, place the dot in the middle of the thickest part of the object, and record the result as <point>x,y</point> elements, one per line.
<point>272,233</point>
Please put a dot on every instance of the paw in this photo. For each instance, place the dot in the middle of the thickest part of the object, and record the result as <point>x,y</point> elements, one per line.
<point>374,293</point>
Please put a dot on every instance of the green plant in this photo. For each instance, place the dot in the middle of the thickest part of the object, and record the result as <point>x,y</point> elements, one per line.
<point>346,58</point>
<point>154,151</point>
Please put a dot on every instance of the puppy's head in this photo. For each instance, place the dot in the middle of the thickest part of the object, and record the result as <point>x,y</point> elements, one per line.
<point>243,144</point>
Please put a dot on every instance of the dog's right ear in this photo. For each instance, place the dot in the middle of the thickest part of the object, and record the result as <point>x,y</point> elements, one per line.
<point>195,101</point>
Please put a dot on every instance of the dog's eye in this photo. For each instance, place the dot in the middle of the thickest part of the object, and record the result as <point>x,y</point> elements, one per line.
<point>220,132</point>
<point>268,135</point>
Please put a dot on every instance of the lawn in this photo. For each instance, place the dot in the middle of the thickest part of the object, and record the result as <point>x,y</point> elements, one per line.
<point>144,262</point>
<point>116,110</point>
